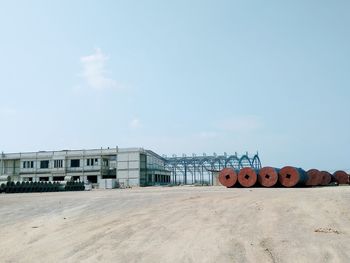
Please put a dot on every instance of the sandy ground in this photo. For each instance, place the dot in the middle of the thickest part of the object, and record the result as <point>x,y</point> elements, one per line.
<point>178,224</point>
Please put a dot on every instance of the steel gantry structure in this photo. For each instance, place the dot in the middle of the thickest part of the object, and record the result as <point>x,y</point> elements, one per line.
<point>199,169</point>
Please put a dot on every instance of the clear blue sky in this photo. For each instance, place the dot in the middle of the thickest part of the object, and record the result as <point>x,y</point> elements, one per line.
<point>179,77</point>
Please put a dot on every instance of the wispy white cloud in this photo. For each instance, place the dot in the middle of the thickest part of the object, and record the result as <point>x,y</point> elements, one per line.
<point>135,123</point>
<point>94,71</point>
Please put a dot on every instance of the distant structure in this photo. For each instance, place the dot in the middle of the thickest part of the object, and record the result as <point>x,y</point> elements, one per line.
<point>200,169</point>
<point>129,166</point>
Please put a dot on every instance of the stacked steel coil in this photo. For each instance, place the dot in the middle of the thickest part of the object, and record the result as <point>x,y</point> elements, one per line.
<point>30,187</point>
<point>287,176</point>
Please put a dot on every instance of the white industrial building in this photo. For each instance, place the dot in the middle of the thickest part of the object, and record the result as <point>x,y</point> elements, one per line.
<point>129,166</point>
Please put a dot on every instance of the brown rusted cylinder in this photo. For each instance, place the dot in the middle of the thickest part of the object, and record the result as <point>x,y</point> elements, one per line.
<point>326,178</point>
<point>268,176</point>
<point>341,177</point>
<point>247,177</point>
<point>228,177</point>
<point>290,176</point>
<point>315,177</point>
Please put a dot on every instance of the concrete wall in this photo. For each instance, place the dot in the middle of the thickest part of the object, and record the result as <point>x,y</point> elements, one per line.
<point>128,169</point>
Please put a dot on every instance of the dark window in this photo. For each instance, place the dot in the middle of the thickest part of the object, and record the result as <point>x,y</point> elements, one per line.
<point>58,178</point>
<point>58,163</point>
<point>92,179</point>
<point>44,164</point>
<point>110,176</point>
<point>45,179</point>
<point>75,163</point>
<point>91,162</point>
<point>28,164</point>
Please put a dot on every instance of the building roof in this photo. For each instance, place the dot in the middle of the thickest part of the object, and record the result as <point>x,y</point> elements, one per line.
<point>85,152</point>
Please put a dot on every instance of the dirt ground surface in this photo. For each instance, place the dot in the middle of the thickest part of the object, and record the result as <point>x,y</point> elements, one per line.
<point>177,224</point>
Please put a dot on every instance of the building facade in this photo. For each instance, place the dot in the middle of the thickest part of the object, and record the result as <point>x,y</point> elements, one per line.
<point>129,166</point>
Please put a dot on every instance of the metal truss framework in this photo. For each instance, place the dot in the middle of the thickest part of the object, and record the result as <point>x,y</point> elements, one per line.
<point>199,169</point>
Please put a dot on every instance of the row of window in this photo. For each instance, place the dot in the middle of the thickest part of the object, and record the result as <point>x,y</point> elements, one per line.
<point>74,163</point>
<point>28,164</point>
<point>91,162</point>
<point>58,163</point>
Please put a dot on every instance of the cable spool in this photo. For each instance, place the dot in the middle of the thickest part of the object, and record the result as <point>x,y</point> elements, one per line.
<point>75,186</point>
<point>290,176</point>
<point>31,187</point>
<point>10,187</point>
<point>227,177</point>
<point>41,187</point>
<point>268,176</point>
<point>51,187</point>
<point>247,177</point>
<point>2,187</point>
<point>315,177</point>
<point>16,187</point>
<point>326,178</point>
<point>48,186</point>
<point>26,186</point>
<point>5,178</point>
<point>35,187</point>
<point>56,185</point>
<point>61,187</point>
<point>44,187</point>
<point>21,187</point>
<point>341,177</point>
